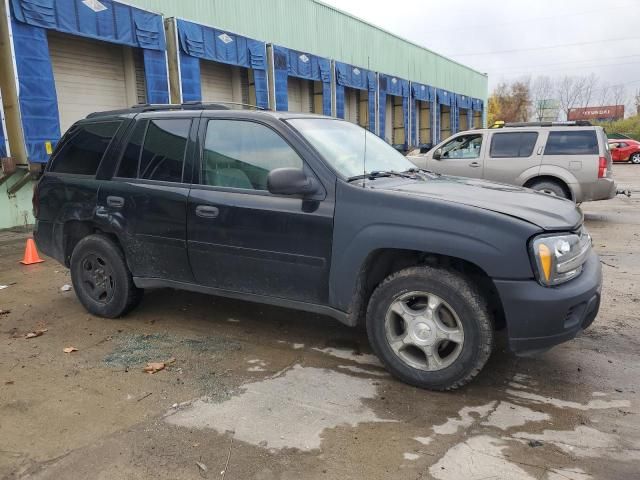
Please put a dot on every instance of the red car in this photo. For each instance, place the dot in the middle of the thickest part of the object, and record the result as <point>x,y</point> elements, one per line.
<point>625,150</point>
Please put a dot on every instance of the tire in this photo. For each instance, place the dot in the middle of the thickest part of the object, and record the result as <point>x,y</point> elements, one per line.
<point>551,188</point>
<point>635,159</point>
<point>462,310</point>
<point>101,279</point>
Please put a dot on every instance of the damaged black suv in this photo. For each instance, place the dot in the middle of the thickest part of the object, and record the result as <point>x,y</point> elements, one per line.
<point>316,214</point>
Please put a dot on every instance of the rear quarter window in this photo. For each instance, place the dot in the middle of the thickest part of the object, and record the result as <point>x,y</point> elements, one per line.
<point>580,142</point>
<point>83,148</point>
<point>513,144</point>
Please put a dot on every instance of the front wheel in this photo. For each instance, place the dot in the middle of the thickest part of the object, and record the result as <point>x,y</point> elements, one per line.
<point>101,278</point>
<point>430,327</point>
<point>635,158</point>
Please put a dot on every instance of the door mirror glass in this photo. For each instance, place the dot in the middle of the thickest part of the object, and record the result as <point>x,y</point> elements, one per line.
<point>437,155</point>
<point>290,181</point>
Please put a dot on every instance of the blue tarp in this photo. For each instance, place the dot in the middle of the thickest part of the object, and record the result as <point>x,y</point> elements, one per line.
<point>355,77</point>
<point>477,104</point>
<point>37,98</point>
<point>462,101</point>
<point>207,43</point>
<point>113,22</point>
<point>423,93</point>
<point>397,87</point>
<point>444,97</point>
<point>3,141</point>
<point>291,63</point>
<point>116,23</point>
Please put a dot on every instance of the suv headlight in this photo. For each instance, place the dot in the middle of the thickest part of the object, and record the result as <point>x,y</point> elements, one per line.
<point>559,258</point>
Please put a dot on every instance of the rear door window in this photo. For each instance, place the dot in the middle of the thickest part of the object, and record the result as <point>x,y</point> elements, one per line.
<point>513,144</point>
<point>579,142</point>
<point>130,160</point>
<point>163,151</point>
<point>83,148</point>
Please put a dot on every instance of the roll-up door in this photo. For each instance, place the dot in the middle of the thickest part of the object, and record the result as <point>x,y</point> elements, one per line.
<point>300,95</point>
<point>217,82</point>
<point>90,76</point>
<point>424,123</point>
<point>398,121</point>
<point>351,105</point>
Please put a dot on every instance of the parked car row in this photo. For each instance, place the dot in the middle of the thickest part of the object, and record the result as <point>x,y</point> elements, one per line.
<point>568,161</point>
<point>317,214</point>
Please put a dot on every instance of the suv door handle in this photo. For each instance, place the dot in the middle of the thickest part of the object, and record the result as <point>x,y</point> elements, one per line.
<point>474,164</point>
<point>206,211</point>
<point>115,202</point>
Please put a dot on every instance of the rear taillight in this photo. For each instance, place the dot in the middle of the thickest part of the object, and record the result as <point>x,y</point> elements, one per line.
<point>602,167</point>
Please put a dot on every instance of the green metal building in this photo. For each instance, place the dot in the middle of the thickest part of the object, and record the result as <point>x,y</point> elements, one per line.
<point>60,61</point>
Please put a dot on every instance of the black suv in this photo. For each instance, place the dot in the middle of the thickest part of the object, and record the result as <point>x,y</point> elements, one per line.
<point>316,214</point>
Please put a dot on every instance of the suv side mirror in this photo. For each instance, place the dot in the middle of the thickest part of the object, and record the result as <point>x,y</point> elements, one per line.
<point>437,155</point>
<point>290,181</point>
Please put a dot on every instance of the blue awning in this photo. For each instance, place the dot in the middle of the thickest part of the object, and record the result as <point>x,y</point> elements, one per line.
<point>293,63</point>
<point>422,92</point>
<point>462,101</point>
<point>477,104</point>
<point>398,87</point>
<point>445,97</point>
<point>349,76</point>
<point>212,44</point>
<point>108,20</point>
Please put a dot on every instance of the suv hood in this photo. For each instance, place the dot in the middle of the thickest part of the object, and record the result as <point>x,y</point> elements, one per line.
<point>545,211</point>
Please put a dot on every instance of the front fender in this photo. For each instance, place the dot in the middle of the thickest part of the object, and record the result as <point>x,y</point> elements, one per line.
<point>366,221</point>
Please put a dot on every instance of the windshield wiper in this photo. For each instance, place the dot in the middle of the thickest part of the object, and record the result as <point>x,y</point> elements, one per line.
<point>380,174</point>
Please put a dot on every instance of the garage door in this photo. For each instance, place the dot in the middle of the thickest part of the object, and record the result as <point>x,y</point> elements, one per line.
<point>89,76</point>
<point>351,105</point>
<point>300,95</point>
<point>217,83</point>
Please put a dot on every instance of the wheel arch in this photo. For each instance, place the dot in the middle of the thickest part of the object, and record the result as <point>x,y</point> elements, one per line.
<point>382,262</point>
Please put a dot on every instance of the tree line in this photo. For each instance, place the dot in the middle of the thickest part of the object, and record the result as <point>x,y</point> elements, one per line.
<point>550,98</point>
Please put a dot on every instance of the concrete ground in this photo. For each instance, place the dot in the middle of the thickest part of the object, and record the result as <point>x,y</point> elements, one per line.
<point>264,393</point>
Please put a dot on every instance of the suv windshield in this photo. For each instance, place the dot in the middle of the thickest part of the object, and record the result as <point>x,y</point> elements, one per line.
<point>343,146</point>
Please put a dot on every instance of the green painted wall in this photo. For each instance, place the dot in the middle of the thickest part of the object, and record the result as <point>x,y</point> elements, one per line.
<point>16,210</point>
<point>314,27</point>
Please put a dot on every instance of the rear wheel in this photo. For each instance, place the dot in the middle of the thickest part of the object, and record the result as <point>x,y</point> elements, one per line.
<point>430,327</point>
<point>635,158</point>
<point>101,278</point>
<point>550,188</point>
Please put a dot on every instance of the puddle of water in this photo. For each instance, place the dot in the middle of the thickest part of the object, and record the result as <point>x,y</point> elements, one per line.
<point>507,415</point>
<point>363,371</point>
<point>478,458</point>
<point>452,425</point>
<point>290,410</point>
<point>363,358</point>
<point>590,405</point>
<point>584,442</point>
<point>410,456</point>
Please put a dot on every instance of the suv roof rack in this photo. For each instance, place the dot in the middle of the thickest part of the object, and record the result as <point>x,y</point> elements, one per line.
<point>571,123</point>
<point>159,107</point>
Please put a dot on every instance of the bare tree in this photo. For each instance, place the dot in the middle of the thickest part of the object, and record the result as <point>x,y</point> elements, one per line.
<point>618,94</point>
<point>637,98</point>
<point>589,85</point>
<point>569,90</point>
<point>605,90</point>
<point>542,94</point>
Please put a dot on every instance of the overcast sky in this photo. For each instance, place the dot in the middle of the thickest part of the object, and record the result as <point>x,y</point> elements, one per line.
<point>504,37</point>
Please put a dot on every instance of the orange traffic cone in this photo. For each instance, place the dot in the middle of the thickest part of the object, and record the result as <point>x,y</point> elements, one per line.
<point>31,253</point>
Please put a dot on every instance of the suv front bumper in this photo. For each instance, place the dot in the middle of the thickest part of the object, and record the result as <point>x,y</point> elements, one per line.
<point>540,317</point>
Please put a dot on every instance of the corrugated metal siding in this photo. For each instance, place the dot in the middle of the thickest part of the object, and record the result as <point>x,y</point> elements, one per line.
<point>314,27</point>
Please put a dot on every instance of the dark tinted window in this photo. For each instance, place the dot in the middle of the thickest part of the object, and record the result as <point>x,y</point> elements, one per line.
<point>84,147</point>
<point>128,167</point>
<point>164,149</point>
<point>579,142</point>
<point>513,144</point>
<point>240,154</point>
